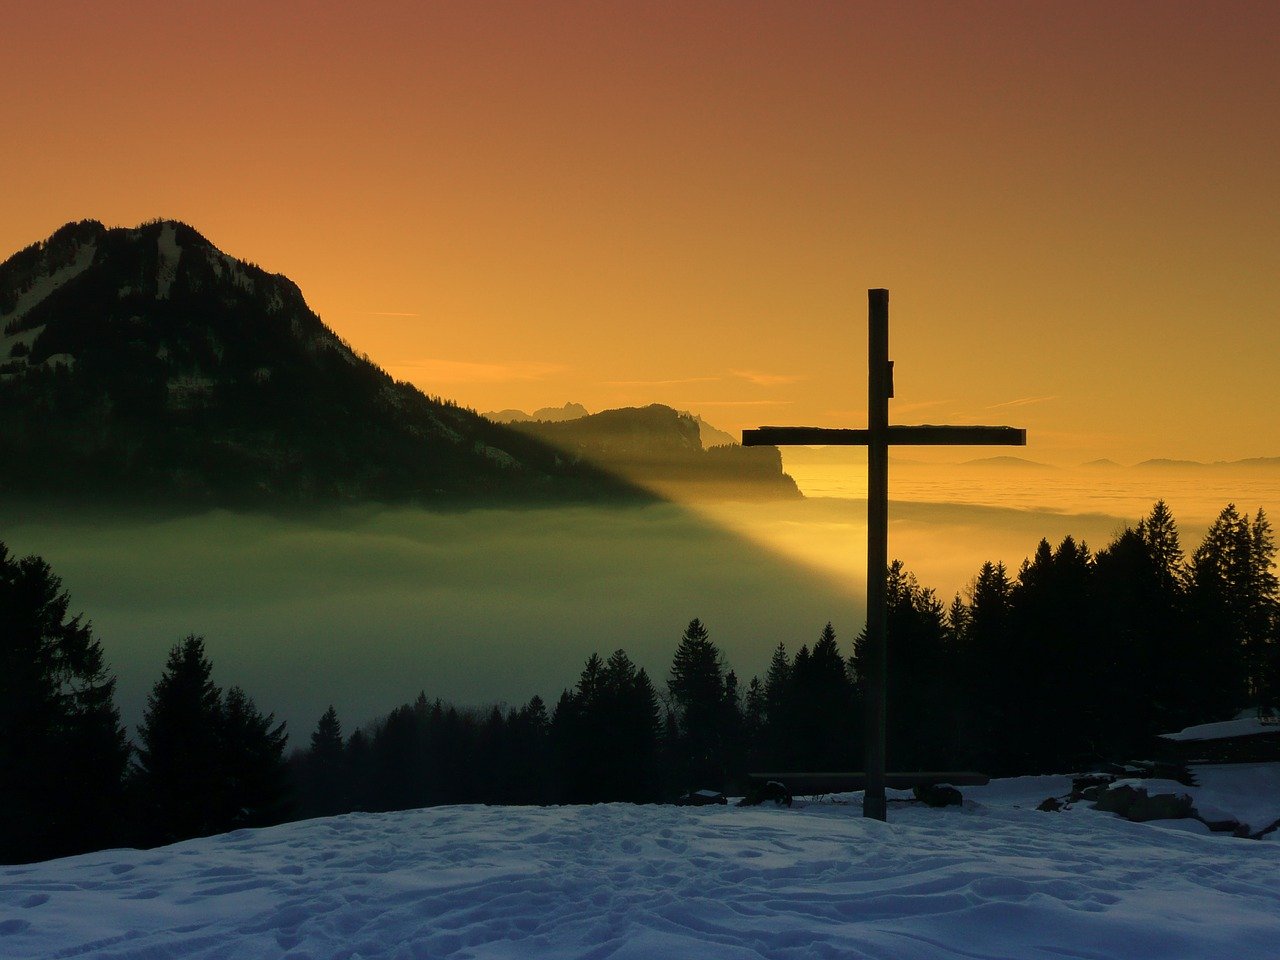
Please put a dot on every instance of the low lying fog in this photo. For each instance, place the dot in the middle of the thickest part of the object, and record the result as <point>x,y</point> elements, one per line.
<point>363,608</point>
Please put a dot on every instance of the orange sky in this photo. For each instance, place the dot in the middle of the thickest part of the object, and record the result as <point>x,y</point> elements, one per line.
<point>1076,206</point>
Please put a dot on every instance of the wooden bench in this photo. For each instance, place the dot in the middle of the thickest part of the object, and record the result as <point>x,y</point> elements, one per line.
<point>802,784</point>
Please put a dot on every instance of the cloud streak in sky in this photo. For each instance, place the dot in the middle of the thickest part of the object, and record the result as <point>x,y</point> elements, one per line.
<point>435,370</point>
<point>918,405</point>
<point>1021,402</point>
<point>734,403</point>
<point>765,379</point>
<point>659,383</point>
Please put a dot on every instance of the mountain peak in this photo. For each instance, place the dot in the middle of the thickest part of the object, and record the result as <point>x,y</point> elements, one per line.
<point>147,359</point>
<point>89,290</point>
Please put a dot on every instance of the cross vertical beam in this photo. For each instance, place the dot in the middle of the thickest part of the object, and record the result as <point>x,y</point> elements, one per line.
<point>879,389</point>
<point>877,438</point>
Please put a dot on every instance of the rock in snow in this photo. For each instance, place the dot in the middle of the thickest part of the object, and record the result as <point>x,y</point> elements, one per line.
<point>992,879</point>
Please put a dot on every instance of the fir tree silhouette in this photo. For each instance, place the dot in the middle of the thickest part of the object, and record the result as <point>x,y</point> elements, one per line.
<point>179,765</point>
<point>63,753</point>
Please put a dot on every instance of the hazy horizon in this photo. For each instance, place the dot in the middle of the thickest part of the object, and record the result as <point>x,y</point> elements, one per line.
<point>363,607</point>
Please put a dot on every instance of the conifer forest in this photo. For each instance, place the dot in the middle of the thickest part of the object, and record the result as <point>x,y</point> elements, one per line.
<point>1077,657</point>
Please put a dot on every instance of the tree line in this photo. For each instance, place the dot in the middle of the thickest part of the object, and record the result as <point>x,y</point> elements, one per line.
<point>205,761</point>
<point>1077,657</point>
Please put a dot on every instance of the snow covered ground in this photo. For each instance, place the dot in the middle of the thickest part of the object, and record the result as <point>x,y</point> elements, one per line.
<point>993,879</point>
<point>1240,727</point>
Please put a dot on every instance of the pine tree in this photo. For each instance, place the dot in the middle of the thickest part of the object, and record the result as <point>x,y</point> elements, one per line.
<point>958,622</point>
<point>323,774</point>
<point>778,732</point>
<point>605,734</point>
<point>1263,555</point>
<point>1221,591</point>
<point>705,715</point>
<point>1057,673</point>
<point>180,770</point>
<point>492,760</point>
<point>919,728</point>
<point>629,707</point>
<point>753,720</point>
<point>1159,532</point>
<point>733,735</point>
<point>990,672</point>
<point>562,747</point>
<point>776,682</point>
<point>326,739</point>
<point>530,752</point>
<point>398,756</point>
<point>1263,630</point>
<point>358,757</point>
<point>206,764</point>
<point>254,775</point>
<point>824,723</point>
<point>534,713</point>
<point>697,671</point>
<point>63,753</point>
<point>1137,638</point>
<point>992,600</point>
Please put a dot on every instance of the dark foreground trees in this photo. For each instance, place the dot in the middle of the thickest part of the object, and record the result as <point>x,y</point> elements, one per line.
<point>707,743</point>
<point>605,735</point>
<point>812,711</point>
<point>427,753</point>
<point>207,763</point>
<point>324,786</point>
<point>1081,658</point>
<point>62,750</point>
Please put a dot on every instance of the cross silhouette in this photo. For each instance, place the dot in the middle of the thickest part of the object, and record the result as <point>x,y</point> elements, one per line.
<point>877,438</point>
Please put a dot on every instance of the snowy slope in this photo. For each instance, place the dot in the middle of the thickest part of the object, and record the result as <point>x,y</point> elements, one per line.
<point>42,286</point>
<point>995,879</point>
<point>1241,727</point>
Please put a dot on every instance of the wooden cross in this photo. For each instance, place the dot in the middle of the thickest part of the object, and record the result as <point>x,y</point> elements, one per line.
<point>877,438</point>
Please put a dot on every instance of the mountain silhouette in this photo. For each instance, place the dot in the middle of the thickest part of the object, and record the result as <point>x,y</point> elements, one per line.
<point>1007,463</point>
<point>663,450</point>
<point>146,364</point>
<point>1252,463</point>
<point>711,436</point>
<point>570,411</point>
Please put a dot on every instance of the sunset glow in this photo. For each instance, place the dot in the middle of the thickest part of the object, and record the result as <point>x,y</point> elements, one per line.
<point>518,205</point>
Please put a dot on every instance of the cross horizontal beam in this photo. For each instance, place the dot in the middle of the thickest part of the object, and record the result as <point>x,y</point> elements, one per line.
<point>920,436</point>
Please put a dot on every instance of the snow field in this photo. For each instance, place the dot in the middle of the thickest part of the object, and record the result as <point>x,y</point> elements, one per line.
<point>994,879</point>
<point>168,254</point>
<point>40,289</point>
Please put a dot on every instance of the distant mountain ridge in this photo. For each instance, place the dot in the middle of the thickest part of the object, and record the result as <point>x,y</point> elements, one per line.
<point>710,436</point>
<point>854,455</point>
<point>144,363</point>
<point>570,411</point>
<point>662,449</point>
<point>1006,462</point>
<point>1265,463</point>
<point>713,436</point>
